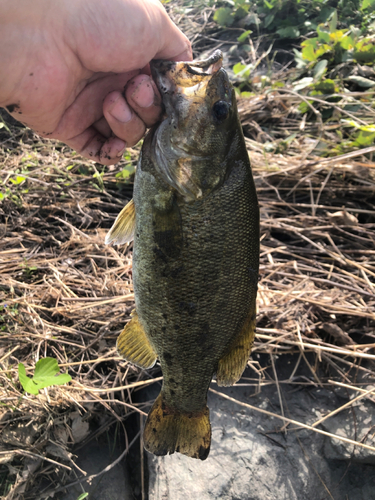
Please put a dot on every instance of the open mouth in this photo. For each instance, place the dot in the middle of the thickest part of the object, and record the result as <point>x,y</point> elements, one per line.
<point>170,74</point>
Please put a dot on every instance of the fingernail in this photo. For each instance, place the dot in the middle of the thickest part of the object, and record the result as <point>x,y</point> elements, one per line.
<point>144,94</point>
<point>118,147</point>
<point>121,111</point>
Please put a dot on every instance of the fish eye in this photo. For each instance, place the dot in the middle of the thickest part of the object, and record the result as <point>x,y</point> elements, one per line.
<point>221,110</point>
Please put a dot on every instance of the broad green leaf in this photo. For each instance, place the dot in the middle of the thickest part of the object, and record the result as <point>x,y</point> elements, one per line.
<point>322,50</point>
<point>18,179</point>
<point>326,86</point>
<point>268,20</point>
<point>367,3</point>
<point>347,42</point>
<point>320,69</point>
<point>247,94</point>
<point>242,70</point>
<point>365,83</point>
<point>308,52</point>
<point>301,63</point>
<point>252,19</point>
<point>365,138</point>
<point>44,376</point>
<point>237,68</point>
<point>333,22</point>
<point>244,36</point>
<point>304,107</point>
<point>323,36</point>
<point>269,5</point>
<point>241,12</point>
<point>223,16</point>
<point>25,381</point>
<point>288,32</point>
<point>303,83</point>
<point>364,51</point>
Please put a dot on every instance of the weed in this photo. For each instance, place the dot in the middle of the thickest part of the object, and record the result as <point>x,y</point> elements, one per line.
<point>44,376</point>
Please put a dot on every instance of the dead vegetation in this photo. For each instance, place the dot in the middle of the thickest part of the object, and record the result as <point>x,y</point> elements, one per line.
<point>64,294</point>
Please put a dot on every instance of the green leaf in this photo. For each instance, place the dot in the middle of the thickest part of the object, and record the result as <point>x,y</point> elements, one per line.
<point>323,36</point>
<point>303,83</point>
<point>288,32</point>
<point>308,49</point>
<point>237,68</point>
<point>44,376</point>
<point>364,51</point>
<point>18,179</point>
<point>347,42</point>
<point>365,138</point>
<point>82,496</point>
<point>223,16</point>
<point>320,69</point>
<point>241,12</point>
<point>326,86</point>
<point>301,63</point>
<point>247,94</point>
<point>268,20</point>
<point>242,70</point>
<point>244,36</point>
<point>367,3</point>
<point>333,22</point>
<point>365,83</point>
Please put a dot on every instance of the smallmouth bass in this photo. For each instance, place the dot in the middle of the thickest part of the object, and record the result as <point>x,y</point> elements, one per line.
<point>195,223</point>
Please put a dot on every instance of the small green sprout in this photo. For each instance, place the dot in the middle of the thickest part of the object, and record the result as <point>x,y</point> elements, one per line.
<point>44,376</point>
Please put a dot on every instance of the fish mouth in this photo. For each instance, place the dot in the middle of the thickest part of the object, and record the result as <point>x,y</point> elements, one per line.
<point>174,76</point>
<point>187,90</point>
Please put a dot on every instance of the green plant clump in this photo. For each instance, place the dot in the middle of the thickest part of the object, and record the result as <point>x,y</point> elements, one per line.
<point>293,18</point>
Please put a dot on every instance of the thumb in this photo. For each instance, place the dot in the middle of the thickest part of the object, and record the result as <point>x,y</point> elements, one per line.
<point>173,44</point>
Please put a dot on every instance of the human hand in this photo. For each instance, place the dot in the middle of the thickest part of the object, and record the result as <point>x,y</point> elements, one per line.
<point>65,65</point>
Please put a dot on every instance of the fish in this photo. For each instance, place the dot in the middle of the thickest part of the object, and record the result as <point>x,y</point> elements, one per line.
<point>194,219</point>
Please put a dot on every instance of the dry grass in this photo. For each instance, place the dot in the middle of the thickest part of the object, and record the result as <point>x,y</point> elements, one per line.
<point>64,294</point>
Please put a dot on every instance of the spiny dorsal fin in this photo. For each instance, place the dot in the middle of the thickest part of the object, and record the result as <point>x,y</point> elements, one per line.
<point>134,346</point>
<point>122,230</point>
<point>167,430</point>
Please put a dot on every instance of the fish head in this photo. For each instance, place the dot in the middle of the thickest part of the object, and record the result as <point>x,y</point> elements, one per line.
<point>200,124</point>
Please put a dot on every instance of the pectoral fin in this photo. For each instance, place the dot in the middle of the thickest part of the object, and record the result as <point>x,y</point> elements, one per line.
<point>134,346</point>
<point>122,230</point>
<point>233,363</point>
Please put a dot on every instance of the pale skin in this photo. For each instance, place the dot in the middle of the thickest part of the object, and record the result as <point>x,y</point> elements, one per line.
<point>78,70</point>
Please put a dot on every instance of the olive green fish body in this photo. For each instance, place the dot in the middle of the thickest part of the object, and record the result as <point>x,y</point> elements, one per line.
<point>195,279</point>
<point>195,222</point>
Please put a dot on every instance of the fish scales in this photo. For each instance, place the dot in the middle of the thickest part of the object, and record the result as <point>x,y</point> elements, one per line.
<point>194,304</point>
<point>196,253</point>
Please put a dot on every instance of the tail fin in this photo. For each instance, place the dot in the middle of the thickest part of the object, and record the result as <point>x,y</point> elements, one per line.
<point>167,431</point>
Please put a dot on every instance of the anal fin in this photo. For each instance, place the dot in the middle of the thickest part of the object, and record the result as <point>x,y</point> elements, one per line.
<point>123,228</point>
<point>134,345</point>
<point>168,431</point>
<point>233,363</point>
